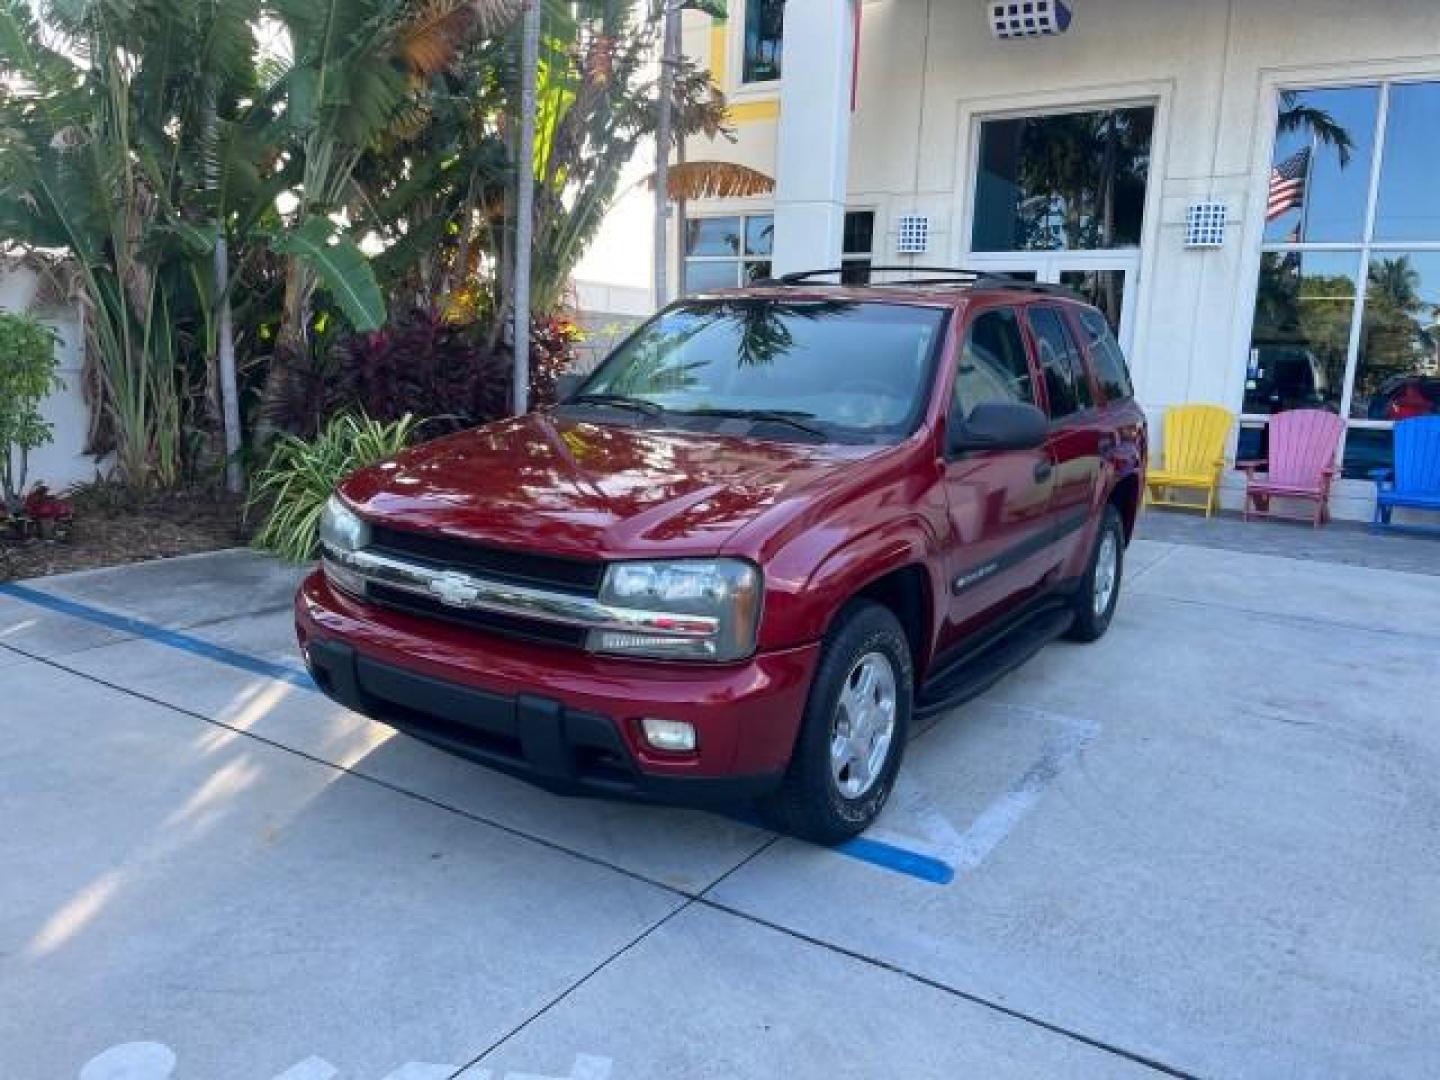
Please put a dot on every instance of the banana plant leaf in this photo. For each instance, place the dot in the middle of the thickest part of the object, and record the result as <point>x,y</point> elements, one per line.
<point>342,267</point>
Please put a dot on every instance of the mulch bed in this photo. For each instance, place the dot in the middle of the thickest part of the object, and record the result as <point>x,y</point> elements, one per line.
<point>113,526</point>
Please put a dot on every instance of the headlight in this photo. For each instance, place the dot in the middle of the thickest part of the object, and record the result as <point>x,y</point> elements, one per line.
<point>725,590</point>
<point>341,529</point>
<point>341,532</point>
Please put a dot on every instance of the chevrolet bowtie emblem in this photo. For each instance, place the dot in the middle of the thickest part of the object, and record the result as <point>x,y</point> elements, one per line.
<point>453,589</point>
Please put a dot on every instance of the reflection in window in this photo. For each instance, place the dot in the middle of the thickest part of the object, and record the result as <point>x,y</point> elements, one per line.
<point>1367,449</point>
<point>1103,288</point>
<point>1106,358</point>
<point>1406,208</point>
<point>1062,182</point>
<point>764,32</point>
<point>1059,362</point>
<point>1398,374</point>
<point>727,252</point>
<point>857,249</point>
<point>813,360</point>
<point>1320,168</point>
<point>993,366</point>
<point>1301,331</point>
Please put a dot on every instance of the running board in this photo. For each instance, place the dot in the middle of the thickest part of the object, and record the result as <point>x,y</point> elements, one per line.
<point>971,677</point>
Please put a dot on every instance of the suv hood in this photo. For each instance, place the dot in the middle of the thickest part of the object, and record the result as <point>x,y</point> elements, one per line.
<point>542,483</point>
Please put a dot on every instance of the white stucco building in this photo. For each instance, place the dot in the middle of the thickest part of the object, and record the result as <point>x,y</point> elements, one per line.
<point>900,126</point>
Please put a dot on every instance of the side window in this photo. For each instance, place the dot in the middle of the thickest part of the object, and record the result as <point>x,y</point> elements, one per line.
<point>1065,383</point>
<point>993,366</point>
<point>1106,357</point>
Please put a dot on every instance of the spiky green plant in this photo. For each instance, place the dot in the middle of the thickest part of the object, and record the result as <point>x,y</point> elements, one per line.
<point>301,475</point>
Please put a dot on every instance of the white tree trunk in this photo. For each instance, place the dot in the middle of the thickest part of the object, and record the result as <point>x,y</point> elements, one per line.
<point>225,348</point>
<point>669,59</point>
<point>525,203</point>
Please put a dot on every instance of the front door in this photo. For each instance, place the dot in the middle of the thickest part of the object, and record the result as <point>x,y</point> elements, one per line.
<point>999,502</point>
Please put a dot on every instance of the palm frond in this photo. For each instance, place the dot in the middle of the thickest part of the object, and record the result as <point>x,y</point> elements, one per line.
<point>714,180</point>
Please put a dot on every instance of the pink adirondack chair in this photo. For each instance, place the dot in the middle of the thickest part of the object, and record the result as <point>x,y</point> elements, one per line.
<point>1301,464</point>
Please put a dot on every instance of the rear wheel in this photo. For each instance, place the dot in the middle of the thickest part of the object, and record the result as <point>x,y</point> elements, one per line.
<point>1099,590</point>
<point>853,733</point>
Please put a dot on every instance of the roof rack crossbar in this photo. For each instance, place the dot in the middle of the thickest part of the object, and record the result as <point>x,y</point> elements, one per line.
<point>944,275</point>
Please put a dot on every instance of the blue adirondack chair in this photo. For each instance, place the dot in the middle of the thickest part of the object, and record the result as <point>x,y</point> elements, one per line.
<point>1415,479</point>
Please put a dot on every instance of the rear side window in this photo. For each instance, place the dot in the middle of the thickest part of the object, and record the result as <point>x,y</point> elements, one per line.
<point>1106,357</point>
<point>1065,383</point>
<point>993,365</point>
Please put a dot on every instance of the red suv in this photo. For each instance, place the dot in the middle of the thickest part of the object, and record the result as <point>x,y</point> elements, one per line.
<point>774,527</point>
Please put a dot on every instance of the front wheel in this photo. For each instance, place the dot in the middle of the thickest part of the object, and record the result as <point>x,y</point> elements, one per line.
<point>1099,590</point>
<point>854,729</point>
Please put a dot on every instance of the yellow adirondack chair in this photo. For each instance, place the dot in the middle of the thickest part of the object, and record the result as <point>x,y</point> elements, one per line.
<point>1194,456</point>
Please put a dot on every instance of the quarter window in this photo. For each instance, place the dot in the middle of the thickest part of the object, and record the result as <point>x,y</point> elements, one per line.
<point>1106,357</point>
<point>993,365</point>
<point>1065,384</point>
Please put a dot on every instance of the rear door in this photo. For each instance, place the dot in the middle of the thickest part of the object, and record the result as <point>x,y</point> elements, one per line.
<point>999,501</point>
<point>1075,443</point>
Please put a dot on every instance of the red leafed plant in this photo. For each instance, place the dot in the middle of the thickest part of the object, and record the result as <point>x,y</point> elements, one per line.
<point>41,505</point>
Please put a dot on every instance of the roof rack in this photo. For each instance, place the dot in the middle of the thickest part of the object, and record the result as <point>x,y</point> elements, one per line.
<point>935,275</point>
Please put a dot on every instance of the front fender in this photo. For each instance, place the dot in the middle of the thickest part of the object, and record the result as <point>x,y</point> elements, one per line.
<point>802,605</point>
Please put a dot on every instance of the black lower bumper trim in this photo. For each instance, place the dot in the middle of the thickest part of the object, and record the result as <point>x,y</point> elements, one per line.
<point>535,738</point>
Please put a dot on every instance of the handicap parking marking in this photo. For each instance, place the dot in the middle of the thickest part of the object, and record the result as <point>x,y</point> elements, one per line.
<point>871,849</point>
<point>175,639</point>
<point>940,843</point>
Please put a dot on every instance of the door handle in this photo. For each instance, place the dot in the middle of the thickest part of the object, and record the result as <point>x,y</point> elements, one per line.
<point>1043,469</point>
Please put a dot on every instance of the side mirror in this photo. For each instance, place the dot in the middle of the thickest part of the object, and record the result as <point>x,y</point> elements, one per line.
<point>566,385</point>
<point>998,425</point>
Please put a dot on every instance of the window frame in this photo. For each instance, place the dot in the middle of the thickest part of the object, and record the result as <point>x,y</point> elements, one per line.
<point>859,257</point>
<point>1038,396</point>
<point>741,42</point>
<point>1363,249</point>
<point>740,258</point>
<point>1078,372</point>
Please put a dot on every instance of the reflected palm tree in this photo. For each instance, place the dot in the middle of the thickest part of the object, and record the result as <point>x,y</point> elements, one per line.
<point>1297,115</point>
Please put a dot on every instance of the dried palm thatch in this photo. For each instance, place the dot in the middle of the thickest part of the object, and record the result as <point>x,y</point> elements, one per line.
<point>429,40</point>
<point>714,180</point>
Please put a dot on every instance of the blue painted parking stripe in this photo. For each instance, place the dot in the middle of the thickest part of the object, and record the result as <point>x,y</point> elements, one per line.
<point>898,859</point>
<point>877,853</point>
<point>175,639</point>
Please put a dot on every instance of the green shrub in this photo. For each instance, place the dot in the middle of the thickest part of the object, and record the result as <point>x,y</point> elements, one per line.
<point>27,375</point>
<point>301,475</point>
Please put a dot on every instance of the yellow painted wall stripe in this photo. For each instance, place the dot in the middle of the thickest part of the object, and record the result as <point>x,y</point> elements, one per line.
<point>744,112</point>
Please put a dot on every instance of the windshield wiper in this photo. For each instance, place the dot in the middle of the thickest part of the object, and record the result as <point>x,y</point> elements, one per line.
<point>795,420</point>
<point>619,401</point>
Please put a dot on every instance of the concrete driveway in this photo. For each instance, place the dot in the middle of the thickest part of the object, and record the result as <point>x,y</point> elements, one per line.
<point>1208,845</point>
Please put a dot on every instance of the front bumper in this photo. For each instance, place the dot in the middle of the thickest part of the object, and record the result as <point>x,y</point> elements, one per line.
<point>556,716</point>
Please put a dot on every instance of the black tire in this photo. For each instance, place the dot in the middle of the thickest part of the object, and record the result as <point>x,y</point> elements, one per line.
<point>810,803</point>
<point>1090,624</point>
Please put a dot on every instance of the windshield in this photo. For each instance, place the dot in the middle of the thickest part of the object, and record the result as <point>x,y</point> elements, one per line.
<point>842,370</point>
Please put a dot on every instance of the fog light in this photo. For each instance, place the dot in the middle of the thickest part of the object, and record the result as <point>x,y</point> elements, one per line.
<point>672,736</point>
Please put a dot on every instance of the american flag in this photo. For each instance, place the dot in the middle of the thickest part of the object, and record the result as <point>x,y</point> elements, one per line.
<point>1287,184</point>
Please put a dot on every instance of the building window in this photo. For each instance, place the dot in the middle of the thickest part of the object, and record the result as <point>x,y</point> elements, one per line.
<point>727,252</point>
<point>1339,234</point>
<point>1063,182</point>
<point>858,247</point>
<point>764,38</point>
